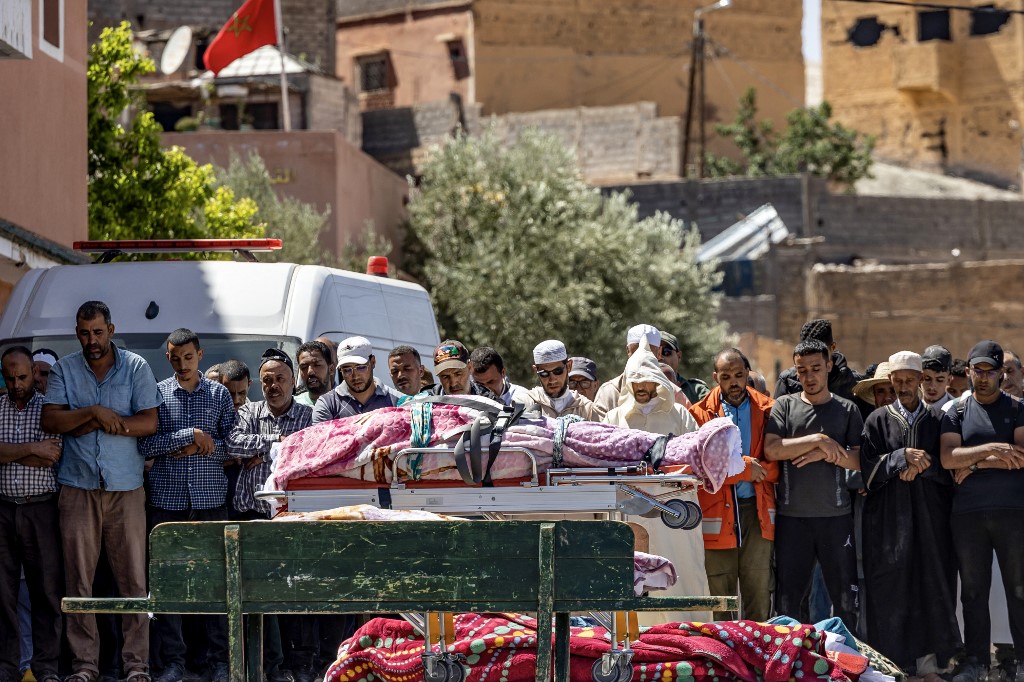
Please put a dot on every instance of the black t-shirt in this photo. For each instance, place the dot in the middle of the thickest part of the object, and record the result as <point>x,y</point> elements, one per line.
<point>818,489</point>
<point>987,489</point>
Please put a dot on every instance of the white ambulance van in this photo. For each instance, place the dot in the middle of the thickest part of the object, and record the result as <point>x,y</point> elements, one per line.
<point>238,309</point>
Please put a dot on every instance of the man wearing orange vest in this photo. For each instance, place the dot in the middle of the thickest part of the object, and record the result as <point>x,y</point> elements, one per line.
<point>739,520</point>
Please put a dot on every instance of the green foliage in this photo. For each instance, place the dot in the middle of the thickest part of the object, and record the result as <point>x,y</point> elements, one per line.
<point>515,248</point>
<point>137,189</point>
<point>810,144</point>
<point>298,225</point>
<point>359,248</point>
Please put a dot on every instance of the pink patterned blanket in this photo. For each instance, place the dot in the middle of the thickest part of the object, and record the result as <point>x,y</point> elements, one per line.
<point>363,447</point>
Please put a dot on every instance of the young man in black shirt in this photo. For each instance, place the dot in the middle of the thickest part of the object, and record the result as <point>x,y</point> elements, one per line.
<point>816,436</point>
<point>982,442</point>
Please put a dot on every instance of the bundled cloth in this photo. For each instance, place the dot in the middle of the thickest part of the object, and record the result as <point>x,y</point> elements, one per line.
<point>363,447</point>
<point>502,648</point>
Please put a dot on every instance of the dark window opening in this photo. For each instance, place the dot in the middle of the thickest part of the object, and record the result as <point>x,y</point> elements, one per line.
<point>459,59</point>
<point>201,46</point>
<point>167,114</point>
<point>986,20</point>
<point>260,115</point>
<point>374,73</point>
<point>933,25</point>
<point>866,32</point>
<point>51,22</point>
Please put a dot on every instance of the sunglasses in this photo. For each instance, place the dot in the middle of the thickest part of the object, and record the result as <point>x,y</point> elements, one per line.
<point>545,373</point>
<point>352,369</point>
<point>668,350</point>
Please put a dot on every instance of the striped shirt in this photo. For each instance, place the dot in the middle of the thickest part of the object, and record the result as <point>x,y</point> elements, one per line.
<point>196,481</point>
<point>22,426</point>
<point>257,429</point>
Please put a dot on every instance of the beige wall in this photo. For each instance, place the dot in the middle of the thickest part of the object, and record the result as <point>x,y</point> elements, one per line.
<point>946,106</point>
<point>568,53</point>
<point>421,66</point>
<point>317,167</point>
<point>43,134</point>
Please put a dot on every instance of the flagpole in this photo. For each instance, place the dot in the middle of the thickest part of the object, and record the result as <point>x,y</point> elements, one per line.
<point>285,113</point>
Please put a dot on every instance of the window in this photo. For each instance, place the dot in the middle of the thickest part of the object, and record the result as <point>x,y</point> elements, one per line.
<point>866,32</point>
<point>374,73</point>
<point>933,25</point>
<point>51,28</point>
<point>986,20</point>
<point>459,60</point>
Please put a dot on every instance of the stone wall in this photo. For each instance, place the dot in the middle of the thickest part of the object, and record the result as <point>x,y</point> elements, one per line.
<point>333,106</point>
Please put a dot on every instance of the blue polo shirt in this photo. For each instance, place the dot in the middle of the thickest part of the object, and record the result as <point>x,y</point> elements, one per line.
<point>740,416</point>
<point>98,459</point>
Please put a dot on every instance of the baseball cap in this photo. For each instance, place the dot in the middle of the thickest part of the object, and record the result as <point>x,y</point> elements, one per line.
<point>450,354</point>
<point>636,335</point>
<point>937,359</point>
<point>905,360</point>
<point>355,350</point>
<point>671,340</point>
<point>276,355</point>
<point>584,367</point>
<point>988,352</point>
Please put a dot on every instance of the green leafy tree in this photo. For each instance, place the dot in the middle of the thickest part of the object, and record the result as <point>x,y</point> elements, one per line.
<point>810,144</point>
<point>137,189</point>
<point>515,248</point>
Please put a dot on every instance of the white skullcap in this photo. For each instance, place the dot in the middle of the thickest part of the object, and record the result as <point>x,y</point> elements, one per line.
<point>906,359</point>
<point>44,356</point>
<point>638,333</point>
<point>551,350</point>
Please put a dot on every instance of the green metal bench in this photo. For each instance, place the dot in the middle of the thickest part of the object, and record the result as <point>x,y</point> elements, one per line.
<point>264,567</point>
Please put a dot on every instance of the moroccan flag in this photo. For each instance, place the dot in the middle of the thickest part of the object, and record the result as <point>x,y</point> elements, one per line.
<point>251,27</point>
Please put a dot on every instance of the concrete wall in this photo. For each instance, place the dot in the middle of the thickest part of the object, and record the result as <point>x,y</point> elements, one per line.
<point>877,310</point>
<point>422,70</point>
<point>317,167</point>
<point>331,105</point>
<point>43,134</point>
<point>309,23</point>
<point>952,106</point>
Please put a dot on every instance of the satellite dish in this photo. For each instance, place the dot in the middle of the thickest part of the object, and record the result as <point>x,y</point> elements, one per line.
<point>176,50</point>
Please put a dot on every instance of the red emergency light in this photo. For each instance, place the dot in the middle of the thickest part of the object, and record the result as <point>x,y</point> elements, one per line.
<point>377,265</point>
<point>176,245</point>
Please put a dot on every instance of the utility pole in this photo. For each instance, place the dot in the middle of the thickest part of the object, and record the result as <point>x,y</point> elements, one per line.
<point>696,79</point>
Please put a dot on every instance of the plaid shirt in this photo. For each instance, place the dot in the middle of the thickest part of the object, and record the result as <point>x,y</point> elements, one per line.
<point>195,481</point>
<point>257,429</point>
<point>22,426</point>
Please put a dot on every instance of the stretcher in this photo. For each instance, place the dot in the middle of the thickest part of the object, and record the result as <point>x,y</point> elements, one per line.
<point>632,490</point>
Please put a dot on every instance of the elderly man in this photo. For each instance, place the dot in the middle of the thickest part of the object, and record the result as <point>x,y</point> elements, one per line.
<point>875,392</point>
<point>553,397</point>
<point>451,365</point>
<point>816,436</point>
<point>649,405</point>
<point>359,391</point>
<point>43,360</point>
<point>583,377</point>
<point>642,334</point>
<point>909,561</point>
<point>982,442</point>
<point>1013,377</point>
<point>739,520</point>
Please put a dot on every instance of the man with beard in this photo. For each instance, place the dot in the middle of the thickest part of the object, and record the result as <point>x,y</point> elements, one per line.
<point>982,442</point>
<point>316,370</point>
<point>451,365</point>
<point>187,481</point>
<point>102,400</point>
<point>739,520</point>
<point>937,362</point>
<point>816,436</point>
<point>642,334</point>
<point>406,369</point>
<point>553,397</point>
<point>909,564</point>
<point>29,532</point>
<point>841,379</point>
<point>359,391</point>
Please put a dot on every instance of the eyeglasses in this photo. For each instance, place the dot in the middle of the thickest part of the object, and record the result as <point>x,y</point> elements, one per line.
<point>580,383</point>
<point>557,371</point>
<point>352,369</point>
<point>985,372</point>
<point>667,350</point>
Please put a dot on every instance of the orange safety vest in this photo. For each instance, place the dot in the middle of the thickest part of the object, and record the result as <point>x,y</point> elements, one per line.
<point>721,513</point>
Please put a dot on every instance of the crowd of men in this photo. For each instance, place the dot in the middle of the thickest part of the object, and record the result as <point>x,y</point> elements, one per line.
<point>867,498</point>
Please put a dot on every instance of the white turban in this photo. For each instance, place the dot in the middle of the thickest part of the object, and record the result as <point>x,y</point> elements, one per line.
<point>549,351</point>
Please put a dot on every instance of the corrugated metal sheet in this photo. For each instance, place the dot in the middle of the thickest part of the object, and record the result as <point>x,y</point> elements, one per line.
<point>749,239</point>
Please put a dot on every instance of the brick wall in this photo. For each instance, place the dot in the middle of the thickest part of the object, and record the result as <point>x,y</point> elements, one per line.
<point>309,23</point>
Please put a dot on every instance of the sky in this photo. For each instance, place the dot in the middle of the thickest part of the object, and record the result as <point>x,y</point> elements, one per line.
<point>812,30</point>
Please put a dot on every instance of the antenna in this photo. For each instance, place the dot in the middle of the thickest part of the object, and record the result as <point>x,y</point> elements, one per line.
<point>176,50</point>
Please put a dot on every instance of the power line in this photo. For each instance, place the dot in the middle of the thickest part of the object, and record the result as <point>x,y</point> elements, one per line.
<point>935,5</point>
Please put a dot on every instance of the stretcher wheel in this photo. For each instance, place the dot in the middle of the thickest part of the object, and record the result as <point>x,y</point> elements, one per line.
<point>621,670</point>
<point>455,671</point>
<point>435,670</point>
<point>689,514</point>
